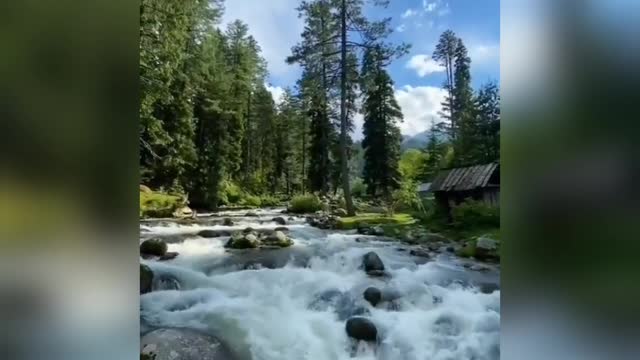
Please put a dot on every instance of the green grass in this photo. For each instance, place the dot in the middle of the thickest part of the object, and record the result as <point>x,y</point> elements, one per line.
<point>352,222</point>
<point>154,204</point>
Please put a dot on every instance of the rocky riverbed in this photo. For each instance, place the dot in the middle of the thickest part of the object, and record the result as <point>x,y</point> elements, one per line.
<point>307,293</point>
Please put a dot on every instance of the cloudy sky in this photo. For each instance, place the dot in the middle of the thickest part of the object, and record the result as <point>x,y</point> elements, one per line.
<point>418,80</point>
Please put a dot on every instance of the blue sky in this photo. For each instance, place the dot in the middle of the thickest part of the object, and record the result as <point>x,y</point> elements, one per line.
<point>418,80</point>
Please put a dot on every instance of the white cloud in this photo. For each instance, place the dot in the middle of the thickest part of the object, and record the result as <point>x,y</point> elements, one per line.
<point>429,7</point>
<point>424,65</point>
<point>276,27</point>
<point>277,92</point>
<point>420,105</point>
<point>409,13</point>
<point>401,28</point>
<point>484,53</point>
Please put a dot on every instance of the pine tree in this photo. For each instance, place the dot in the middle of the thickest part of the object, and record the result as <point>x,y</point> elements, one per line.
<point>487,106</point>
<point>445,54</point>
<point>381,133</point>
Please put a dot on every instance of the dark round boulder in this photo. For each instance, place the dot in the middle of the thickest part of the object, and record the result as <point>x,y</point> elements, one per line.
<point>227,222</point>
<point>372,262</point>
<point>420,253</point>
<point>183,344</point>
<point>373,295</point>
<point>155,247</point>
<point>279,220</point>
<point>146,279</point>
<point>251,214</point>
<point>281,228</point>
<point>361,328</point>
<point>247,230</point>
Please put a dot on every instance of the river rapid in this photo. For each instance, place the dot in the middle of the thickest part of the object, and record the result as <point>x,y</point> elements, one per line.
<point>292,303</point>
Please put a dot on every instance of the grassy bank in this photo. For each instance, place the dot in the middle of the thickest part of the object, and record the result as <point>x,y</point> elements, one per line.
<point>352,222</point>
<point>157,204</point>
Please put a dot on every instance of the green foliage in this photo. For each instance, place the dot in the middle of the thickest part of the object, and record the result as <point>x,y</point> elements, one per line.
<point>382,137</point>
<point>358,188</point>
<point>412,164</point>
<point>251,200</point>
<point>302,204</point>
<point>157,204</point>
<point>406,197</point>
<point>269,200</point>
<point>475,214</point>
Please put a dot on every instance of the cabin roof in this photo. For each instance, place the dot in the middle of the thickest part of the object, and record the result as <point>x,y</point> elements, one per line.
<point>462,179</point>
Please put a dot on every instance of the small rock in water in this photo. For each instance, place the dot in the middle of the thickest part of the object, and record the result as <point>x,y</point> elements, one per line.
<point>155,247</point>
<point>372,262</point>
<point>373,295</point>
<point>279,220</point>
<point>227,222</point>
<point>146,279</point>
<point>281,228</point>
<point>165,282</point>
<point>420,253</point>
<point>251,214</point>
<point>377,231</point>
<point>247,230</point>
<point>168,256</point>
<point>361,328</point>
<point>182,344</point>
<point>278,238</point>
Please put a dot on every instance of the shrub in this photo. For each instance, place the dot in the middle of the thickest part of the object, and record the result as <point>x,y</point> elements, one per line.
<point>358,188</point>
<point>269,200</point>
<point>157,204</point>
<point>251,200</point>
<point>471,213</point>
<point>305,204</point>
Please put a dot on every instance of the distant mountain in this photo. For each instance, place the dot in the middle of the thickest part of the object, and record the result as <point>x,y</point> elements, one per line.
<point>418,141</point>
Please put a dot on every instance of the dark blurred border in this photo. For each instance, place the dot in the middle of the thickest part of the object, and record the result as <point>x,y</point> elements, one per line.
<point>68,177</point>
<point>571,206</point>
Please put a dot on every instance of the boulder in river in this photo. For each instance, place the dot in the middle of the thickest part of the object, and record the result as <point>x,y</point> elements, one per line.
<point>281,228</point>
<point>419,252</point>
<point>182,344</point>
<point>361,328</point>
<point>243,241</point>
<point>227,222</point>
<point>486,248</point>
<point>340,212</point>
<point>278,238</point>
<point>279,220</point>
<point>146,279</point>
<point>183,212</point>
<point>364,229</point>
<point>377,231</point>
<point>251,214</point>
<point>155,247</point>
<point>371,262</point>
<point>373,295</point>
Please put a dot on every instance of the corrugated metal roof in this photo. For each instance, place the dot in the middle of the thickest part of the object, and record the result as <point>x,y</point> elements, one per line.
<point>461,179</point>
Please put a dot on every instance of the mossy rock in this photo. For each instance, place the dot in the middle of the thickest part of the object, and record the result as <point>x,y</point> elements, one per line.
<point>145,189</point>
<point>155,247</point>
<point>278,238</point>
<point>243,241</point>
<point>146,279</point>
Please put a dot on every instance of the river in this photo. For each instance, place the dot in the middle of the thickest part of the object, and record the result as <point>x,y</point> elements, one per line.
<point>292,303</point>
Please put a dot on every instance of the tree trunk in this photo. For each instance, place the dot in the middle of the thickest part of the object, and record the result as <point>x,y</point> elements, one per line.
<point>343,113</point>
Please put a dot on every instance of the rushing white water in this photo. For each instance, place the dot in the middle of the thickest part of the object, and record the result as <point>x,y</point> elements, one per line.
<point>298,309</point>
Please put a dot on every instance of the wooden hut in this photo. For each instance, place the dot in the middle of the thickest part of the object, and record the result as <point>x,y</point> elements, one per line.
<point>479,182</point>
